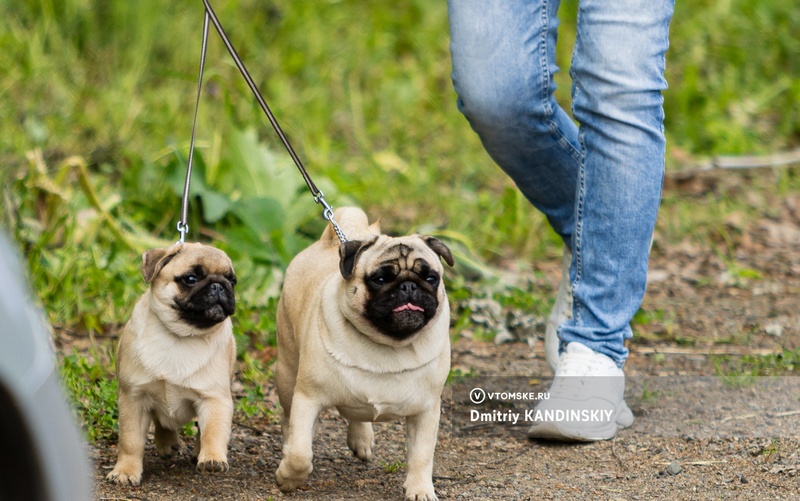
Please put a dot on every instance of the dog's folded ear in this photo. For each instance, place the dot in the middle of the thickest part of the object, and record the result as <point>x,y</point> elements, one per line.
<point>348,255</point>
<point>154,260</point>
<point>441,249</point>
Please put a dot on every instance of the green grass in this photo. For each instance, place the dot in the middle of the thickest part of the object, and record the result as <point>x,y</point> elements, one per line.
<point>393,466</point>
<point>733,81</point>
<point>254,376</point>
<point>457,375</point>
<point>771,449</point>
<point>749,367</point>
<point>92,392</point>
<point>649,395</point>
<point>97,98</point>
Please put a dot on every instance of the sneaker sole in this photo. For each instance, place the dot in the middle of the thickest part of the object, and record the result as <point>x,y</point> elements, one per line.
<point>549,430</point>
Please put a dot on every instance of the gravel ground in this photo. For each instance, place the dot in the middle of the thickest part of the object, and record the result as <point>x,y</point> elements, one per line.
<point>705,460</point>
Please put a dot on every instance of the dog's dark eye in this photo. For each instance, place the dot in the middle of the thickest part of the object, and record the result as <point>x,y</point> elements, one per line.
<point>189,280</point>
<point>432,279</point>
<point>382,278</point>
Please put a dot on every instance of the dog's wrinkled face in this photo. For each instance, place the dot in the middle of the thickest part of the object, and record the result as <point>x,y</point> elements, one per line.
<point>192,284</point>
<point>394,283</point>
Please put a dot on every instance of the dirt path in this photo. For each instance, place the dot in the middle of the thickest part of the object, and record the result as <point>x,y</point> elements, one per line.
<point>695,437</point>
<point>497,461</point>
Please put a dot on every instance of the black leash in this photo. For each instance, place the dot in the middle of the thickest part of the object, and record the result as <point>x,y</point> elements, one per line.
<point>183,225</point>
<point>319,198</point>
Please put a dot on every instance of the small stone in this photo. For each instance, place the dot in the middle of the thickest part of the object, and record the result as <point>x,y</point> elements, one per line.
<point>656,276</point>
<point>674,468</point>
<point>502,336</point>
<point>774,330</point>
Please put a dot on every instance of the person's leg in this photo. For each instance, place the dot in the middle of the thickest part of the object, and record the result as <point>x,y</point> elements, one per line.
<point>607,179</point>
<point>503,54</point>
<point>617,71</point>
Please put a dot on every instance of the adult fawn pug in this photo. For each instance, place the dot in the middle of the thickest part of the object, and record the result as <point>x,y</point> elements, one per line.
<point>363,327</point>
<point>175,359</point>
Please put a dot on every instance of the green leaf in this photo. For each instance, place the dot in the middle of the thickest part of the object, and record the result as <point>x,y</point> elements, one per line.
<point>215,205</point>
<point>263,215</point>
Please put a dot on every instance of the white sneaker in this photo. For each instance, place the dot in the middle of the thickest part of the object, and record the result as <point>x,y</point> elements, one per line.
<point>561,312</point>
<point>586,400</point>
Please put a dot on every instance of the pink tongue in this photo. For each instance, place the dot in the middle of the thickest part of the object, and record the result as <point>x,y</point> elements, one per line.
<point>408,306</point>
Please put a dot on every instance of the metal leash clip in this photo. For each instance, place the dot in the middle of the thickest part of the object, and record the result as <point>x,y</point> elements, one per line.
<point>327,214</point>
<point>183,229</point>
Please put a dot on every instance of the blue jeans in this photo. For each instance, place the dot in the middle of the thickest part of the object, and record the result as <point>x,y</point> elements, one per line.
<point>599,183</point>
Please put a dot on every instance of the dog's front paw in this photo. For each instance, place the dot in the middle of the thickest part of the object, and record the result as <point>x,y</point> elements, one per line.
<point>420,491</point>
<point>290,478</point>
<point>361,440</point>
<point>212,466</point>
<point>123,475</point>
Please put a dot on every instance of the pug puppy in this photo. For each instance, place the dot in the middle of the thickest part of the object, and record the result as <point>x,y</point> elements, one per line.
<point>175,359</point>
<point>363,327</point>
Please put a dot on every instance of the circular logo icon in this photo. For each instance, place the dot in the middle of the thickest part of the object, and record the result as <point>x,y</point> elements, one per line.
<point>477,396</point>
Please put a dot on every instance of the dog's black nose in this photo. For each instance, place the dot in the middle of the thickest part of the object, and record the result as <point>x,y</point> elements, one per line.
<point>215,289</point>
<point>408,287</point>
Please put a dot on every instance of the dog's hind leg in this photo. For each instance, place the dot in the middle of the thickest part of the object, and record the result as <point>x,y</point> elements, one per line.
<point>196,447</point>
<point>360,439</point>
<point>167,441</point>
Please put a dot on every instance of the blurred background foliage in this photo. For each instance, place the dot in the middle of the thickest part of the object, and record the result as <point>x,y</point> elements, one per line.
<point>96,100</point>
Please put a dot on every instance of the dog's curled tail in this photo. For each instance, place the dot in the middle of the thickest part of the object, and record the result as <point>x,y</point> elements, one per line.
<point>354,224</point>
